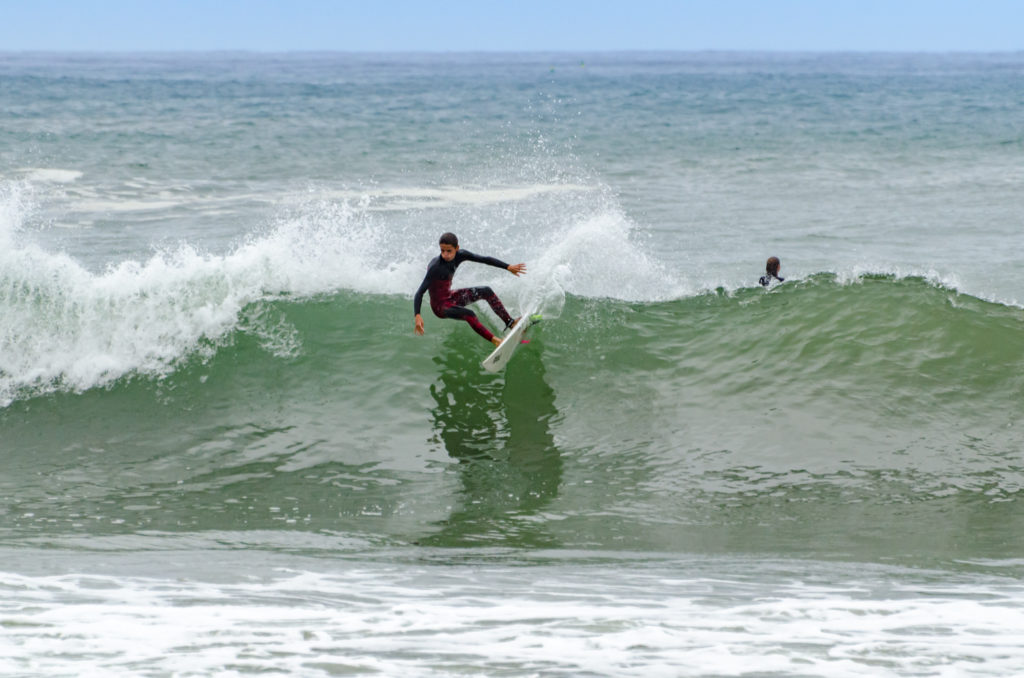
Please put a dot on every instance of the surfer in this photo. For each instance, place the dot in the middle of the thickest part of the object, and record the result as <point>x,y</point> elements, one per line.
<point>448,303</point>
<point>771,270</point>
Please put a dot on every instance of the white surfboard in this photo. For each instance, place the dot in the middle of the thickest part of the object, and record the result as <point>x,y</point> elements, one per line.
<point>503,351</point>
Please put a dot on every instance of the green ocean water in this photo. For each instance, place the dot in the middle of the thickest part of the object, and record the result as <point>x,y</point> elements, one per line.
<point>822,419</point>
<point>225,452</point>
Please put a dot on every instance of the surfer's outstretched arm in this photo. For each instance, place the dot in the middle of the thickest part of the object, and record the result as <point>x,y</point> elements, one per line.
<point>514,269</point>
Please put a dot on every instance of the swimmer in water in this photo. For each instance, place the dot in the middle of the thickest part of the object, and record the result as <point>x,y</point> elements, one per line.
<point>771,270</point>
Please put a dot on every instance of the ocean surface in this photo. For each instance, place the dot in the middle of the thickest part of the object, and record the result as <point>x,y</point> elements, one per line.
<point>224,452</point>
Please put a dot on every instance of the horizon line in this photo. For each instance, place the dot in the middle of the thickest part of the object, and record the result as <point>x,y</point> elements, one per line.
<point>710,50</point>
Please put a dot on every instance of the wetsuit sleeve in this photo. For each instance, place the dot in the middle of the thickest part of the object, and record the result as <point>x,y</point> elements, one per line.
<point>490,261</point>
<point>417,301</point>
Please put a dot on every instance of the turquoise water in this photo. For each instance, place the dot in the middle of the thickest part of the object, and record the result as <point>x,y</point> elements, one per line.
<point>225,451</point>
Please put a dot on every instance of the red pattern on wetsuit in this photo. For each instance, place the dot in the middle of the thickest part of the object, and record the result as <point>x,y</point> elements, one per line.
<point>455,307</point>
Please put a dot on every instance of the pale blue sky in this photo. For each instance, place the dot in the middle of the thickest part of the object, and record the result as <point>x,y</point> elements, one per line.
<point>512,25</point>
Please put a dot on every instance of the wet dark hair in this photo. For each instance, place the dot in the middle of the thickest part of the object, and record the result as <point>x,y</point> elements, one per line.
<point>772,267</point>
<point>449,239</point>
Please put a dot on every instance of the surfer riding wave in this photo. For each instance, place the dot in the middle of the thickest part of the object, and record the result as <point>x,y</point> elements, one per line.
<point>448,303</point>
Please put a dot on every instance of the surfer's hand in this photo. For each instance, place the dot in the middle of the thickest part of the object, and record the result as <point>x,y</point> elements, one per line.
<point>419,324</point>
<point>517,269</point>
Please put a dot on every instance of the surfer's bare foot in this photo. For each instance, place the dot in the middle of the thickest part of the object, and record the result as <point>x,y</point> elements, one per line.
<point>512,323</point>
<point>496,341</point>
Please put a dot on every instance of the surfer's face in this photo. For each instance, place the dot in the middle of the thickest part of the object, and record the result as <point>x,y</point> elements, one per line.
<point>448,251</point>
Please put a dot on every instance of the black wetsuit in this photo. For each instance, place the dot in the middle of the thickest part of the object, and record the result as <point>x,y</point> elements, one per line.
<point>448,303</point>
<point>766,279</point>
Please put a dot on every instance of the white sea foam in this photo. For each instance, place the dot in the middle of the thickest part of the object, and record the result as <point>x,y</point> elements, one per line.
<point>149,199</point>
<point>407,198</point>
<point>49,175</point>
<point>66,327</point>
<point>598,257</point>
<point>605,620</point>
<point>126,205</point>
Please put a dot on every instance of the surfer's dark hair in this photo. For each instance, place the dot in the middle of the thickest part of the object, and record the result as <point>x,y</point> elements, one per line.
<point>449,239</point>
